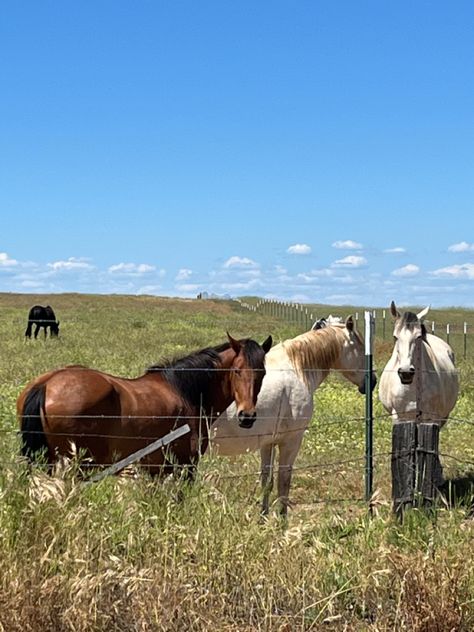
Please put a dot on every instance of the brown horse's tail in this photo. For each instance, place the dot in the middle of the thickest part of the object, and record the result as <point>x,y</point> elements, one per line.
<point>33,439</point>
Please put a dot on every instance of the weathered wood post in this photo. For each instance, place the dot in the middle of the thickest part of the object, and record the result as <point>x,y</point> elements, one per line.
<point>403,465</point>
<point>465,341</point>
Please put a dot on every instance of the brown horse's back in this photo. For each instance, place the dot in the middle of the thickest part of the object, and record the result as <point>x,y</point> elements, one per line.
<point>84,406</point>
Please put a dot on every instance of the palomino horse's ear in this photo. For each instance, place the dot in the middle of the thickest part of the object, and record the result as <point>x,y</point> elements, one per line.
<point>423,313</point>
<point>267,344</point>
<point>350,323</point>
<point>393,310</point>
<point>235,344</point>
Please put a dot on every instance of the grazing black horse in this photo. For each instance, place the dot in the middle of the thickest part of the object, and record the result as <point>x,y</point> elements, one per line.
<point>42,317</point>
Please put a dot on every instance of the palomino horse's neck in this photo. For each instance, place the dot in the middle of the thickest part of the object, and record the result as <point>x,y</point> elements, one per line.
<point>315,351</point>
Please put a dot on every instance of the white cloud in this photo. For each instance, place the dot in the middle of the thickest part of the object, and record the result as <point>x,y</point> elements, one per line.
<point>299,249</point>
<point>149,289</point>
<point>240,262</point>
<point>188,287</point>
<point>6,262</point>
<point>462,271</point>
<point>347,244</point>
<point>73,263</point>
<point>407,271</point>
<point>351,261</point>
<point>136,269</point>
<point>462,246</point>
<point>183,274</point>
<point>395,250</point>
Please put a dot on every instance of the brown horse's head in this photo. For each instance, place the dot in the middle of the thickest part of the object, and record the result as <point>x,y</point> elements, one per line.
<point>246,376</point>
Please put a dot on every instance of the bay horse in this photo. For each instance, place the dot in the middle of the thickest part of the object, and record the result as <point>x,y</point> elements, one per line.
<point>423,389</point>
<point>295,369</point>
<point>111,417</point>
<point>42,317</point>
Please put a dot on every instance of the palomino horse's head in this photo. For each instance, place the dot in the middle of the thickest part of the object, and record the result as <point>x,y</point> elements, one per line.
<point>407,331</point>
<point>351,361</point>
<point>246,376</point>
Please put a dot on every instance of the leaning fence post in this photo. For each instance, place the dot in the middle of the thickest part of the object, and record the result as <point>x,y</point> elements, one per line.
<point>369,419</point>
<point>139,454</point>
<point>447,333</point>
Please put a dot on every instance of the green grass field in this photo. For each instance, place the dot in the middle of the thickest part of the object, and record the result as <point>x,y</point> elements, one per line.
<point>132,554</point>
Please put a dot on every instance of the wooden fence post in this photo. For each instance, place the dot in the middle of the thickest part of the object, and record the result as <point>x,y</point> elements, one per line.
<point>416,469</point>
<point>428,467</point>
<point>403,465</point>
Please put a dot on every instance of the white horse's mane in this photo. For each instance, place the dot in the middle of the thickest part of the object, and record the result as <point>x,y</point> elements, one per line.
<point>315,349</point>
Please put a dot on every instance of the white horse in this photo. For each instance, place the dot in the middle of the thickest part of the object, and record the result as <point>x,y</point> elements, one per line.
<point>418,389</point>
<point>294,370</point>
<point>325,321</point>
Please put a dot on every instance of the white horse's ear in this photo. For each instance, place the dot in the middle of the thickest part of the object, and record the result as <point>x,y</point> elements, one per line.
<point>393,310</point>
<point>349,323</point>
<point>423,313</point>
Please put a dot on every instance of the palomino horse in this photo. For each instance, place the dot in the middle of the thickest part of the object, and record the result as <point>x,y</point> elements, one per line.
<point>111,417</point>
<point>423,388</point>
<point>295,369</point>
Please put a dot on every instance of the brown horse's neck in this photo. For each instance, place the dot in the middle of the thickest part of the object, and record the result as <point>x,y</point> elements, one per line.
<point>222,389</point>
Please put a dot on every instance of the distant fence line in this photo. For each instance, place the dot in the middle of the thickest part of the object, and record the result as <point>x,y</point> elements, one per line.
<point>302,316</point>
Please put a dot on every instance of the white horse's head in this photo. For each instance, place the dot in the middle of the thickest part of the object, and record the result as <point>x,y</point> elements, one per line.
<point>408,329</point>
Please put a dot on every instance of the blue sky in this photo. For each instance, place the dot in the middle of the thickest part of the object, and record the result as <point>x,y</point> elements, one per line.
<point>313,151</point>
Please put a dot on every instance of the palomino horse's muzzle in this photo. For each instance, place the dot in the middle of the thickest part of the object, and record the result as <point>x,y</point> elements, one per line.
<point>406,377</point>
<point>246,420</point>
<point>373,382</point>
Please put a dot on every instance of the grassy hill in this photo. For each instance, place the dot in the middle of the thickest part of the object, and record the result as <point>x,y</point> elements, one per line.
<point>133,554</point>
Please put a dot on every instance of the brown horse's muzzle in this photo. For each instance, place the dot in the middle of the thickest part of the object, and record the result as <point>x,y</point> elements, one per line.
<point>246,419</point>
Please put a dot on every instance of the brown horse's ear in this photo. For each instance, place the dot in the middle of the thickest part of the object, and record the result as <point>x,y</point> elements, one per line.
<point>235,344</point>
<point>393,310</point>
<point>267,344</point>
<point>350,323</point>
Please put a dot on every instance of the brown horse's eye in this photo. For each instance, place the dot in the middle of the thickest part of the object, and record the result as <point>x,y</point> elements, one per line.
<point>237,371</point>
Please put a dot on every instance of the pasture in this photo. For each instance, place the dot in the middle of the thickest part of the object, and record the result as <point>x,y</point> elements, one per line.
<point>133,554</point>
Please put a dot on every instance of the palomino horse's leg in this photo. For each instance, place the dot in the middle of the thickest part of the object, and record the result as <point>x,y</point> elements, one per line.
<point>288,453</point>
<point>267,454</point>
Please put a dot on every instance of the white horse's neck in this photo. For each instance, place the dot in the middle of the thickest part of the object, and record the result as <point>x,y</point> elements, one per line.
<point>314,353</point>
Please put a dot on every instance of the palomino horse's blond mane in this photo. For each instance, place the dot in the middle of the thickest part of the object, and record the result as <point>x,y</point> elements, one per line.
<point>316,349</point>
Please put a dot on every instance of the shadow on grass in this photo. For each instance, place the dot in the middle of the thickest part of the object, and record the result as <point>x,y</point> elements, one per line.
<point>459,492</point>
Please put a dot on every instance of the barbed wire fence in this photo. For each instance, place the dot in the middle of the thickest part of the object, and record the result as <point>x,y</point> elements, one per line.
<point>303,318</point>
<point>342,468</point>
<point>299,316</point>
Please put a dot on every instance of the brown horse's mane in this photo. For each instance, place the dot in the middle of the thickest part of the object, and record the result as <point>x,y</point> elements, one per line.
<point>192,375</point>
<point>315,349</point>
